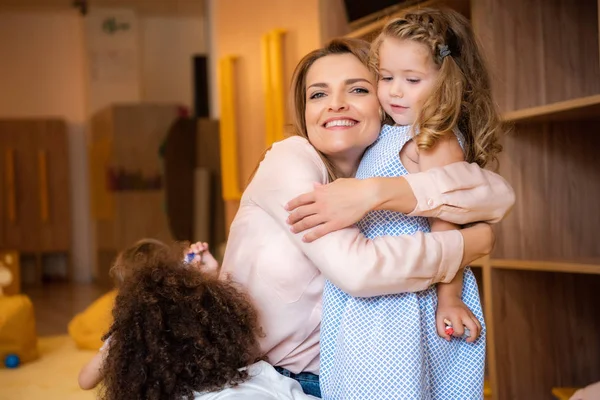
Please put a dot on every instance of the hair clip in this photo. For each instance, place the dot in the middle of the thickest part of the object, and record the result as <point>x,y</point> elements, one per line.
<point>444,51</point>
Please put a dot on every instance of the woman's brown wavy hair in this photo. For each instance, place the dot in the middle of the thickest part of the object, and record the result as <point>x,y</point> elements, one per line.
<point>462,96</point>
<point>176,330</point>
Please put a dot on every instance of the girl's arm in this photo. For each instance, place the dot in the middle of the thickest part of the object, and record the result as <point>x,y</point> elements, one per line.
<point>91,373</point>
<point>450,305</point>
<point>359,266</point>
<point>460,193</point>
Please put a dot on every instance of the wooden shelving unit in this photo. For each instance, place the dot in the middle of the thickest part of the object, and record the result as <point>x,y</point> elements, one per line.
<point>540,288</point>
<point>575,267</point>
<point>35,201</point>
<point>580,109</point>
<point>370,30</point>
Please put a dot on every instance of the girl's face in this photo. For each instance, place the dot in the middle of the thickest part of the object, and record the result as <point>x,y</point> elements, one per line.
<point>342,110</point>
<point>407,78</point>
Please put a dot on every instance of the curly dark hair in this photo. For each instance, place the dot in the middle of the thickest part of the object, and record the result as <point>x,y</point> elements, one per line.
<point>134,257</point>
<point>176,330</point>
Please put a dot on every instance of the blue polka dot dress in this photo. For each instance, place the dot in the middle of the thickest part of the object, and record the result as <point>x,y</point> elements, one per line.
<point>387,347</point>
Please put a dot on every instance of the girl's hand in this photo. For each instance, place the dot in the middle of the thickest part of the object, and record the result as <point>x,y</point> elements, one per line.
<point>453,309</point>
<point>203,257</point>
<point>330,207</point>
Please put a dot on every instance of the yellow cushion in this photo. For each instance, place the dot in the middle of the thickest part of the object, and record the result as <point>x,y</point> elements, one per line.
<point>88,327</point>
<point>17,329</point>
<point>562,393</point>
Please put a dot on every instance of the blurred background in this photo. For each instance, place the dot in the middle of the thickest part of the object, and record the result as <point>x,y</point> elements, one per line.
<point>124,119</point>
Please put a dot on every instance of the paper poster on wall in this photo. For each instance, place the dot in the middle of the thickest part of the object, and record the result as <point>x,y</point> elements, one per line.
<point>113,66</point>
<point>113,47</point>
<point>112,42</point>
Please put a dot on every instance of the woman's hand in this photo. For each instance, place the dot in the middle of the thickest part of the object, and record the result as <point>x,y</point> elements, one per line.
<point>453,309</point>
<point>330,207</point>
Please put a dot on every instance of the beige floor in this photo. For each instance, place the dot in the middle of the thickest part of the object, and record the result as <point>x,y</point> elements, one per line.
<point>52,377</point>
<point>56,303</point>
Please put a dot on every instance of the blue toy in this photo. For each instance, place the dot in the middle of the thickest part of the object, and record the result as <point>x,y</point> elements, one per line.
<point>12,361</point>
<point>190,257</point>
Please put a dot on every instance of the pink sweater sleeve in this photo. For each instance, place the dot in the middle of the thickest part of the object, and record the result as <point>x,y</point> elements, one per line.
<point>357,265</point>
<point>461,193</point>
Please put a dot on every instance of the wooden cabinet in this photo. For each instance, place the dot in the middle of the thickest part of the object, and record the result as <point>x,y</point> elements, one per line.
<point>21,199</point>
<point>127,178</point>
<point>540,286</point>
<point>35,206</point>
<point>53,168</point>
<point>35,200</point>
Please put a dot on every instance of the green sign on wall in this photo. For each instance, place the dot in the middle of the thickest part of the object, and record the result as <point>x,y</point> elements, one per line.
<point>111,26</point>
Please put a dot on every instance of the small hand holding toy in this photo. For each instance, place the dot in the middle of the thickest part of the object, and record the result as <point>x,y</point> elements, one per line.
<point>449,330</point>
<point>454,319</point>
<point>198,253</point>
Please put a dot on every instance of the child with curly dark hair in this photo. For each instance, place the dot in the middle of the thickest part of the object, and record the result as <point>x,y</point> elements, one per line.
<point>181,333</point>
<point>125,263</point>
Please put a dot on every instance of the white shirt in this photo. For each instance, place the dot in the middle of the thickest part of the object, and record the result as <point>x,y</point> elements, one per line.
<point>264,383</point>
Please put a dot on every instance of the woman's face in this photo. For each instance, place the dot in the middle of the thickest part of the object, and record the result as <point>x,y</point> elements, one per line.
<point>342,110</point>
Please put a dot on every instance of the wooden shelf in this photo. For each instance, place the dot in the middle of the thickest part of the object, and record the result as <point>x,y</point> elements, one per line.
<point>536,278</point>
<point>367,31</point>
<point>487,389</point>
<point>574,266</point>
<point>581,266</point>
<point>480,262</point>
<point>136,192</point>
<point>583,108</point>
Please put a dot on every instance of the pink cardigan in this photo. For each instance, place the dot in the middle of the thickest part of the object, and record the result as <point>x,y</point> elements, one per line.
<point>285,276</point>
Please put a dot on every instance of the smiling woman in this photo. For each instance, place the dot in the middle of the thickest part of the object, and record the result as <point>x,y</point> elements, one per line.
<point>336,117</point>
<point>337,73</point>
<point>342,116</point>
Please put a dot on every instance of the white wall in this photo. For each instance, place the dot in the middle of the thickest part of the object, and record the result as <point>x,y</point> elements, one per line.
<point>44,71</point>
<point>41,72</point>
<point>168,45</point>
<point>113,58</point>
